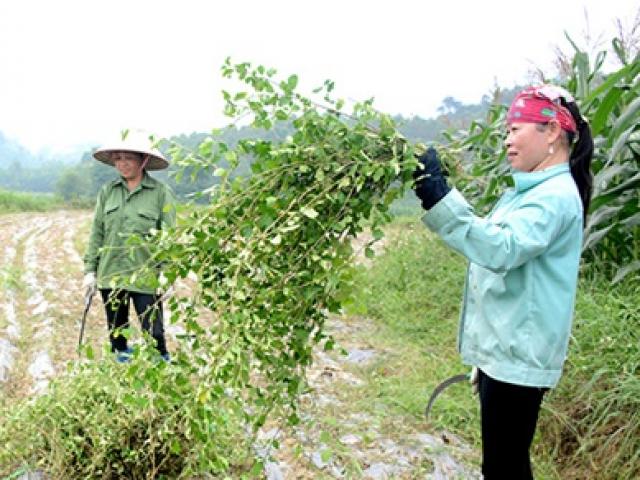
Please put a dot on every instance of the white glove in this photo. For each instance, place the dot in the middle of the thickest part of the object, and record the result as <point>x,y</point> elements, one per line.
<point>166,291</point>
<point>90,284</point>
<point>473,379</point>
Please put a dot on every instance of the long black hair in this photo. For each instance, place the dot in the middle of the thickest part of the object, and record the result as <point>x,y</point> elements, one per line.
<point>580,158</point>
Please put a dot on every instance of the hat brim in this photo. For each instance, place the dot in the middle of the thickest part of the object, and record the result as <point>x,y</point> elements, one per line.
<point>155,162</point>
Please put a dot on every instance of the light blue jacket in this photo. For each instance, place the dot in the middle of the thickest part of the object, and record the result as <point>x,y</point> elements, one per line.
<point>521,282</point>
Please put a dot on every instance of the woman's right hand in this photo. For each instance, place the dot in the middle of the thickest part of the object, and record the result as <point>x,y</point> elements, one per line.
<point>473,379</point>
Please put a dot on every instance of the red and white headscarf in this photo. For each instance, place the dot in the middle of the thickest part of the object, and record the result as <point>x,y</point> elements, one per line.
<point>541,105</point>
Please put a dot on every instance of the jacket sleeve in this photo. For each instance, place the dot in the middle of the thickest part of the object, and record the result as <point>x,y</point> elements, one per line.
<point>520,236</point>
<point>96,237</point>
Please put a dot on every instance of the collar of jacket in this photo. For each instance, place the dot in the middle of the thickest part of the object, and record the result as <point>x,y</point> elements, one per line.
<point>146,182</point>
<point>526,180</point>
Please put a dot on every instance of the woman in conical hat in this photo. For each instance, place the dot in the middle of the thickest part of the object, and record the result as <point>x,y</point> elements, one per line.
<point>134,204</point>
<point>523,268</point>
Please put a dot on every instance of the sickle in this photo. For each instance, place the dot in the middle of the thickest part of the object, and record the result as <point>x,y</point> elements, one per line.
<point>87,305</point>
<point>441,387</point>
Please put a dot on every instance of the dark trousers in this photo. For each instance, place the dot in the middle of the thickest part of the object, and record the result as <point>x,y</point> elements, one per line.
<point>509,416</point>
<point>148,308</point>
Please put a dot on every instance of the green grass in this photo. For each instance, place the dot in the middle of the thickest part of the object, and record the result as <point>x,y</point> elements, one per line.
<point>11,278</point>
<point>27,202</point>
<point>589,425</point>
<point>12,202</point>
<point>592,420</point>
<point>406,206</point>
<point>412,292</point>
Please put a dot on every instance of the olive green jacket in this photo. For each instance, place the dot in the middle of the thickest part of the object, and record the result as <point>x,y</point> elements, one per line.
<point>119,215</point>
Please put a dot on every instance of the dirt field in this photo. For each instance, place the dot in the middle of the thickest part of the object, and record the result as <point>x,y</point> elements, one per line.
<point>41,298</point>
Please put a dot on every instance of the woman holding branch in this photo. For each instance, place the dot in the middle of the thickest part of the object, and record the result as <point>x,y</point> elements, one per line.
<point>523,268</point>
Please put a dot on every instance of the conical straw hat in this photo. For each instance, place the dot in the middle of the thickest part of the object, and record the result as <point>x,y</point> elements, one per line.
<point>133,142</point>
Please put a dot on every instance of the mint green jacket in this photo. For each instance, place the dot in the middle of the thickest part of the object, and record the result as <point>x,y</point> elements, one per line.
<point>521,282</point>
<point>119,215</point>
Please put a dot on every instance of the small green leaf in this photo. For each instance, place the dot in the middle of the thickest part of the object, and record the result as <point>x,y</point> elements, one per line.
<point>205,148</point>
<point>277,240</point>
<point>293,419</point>
<point>329,344</point>
<point>175,447</point>
<point>292,81</point>
<point>309,212</point>
<point>326,455</point>
<point>257,469</point>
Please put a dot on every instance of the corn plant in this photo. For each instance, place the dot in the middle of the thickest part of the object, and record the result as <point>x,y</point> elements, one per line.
<point>611,104</point>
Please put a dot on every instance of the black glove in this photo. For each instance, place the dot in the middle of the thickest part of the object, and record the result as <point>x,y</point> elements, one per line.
<point>430,185</point>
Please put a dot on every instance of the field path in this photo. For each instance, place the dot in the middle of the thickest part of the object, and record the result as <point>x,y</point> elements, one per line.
<point>346,433</point>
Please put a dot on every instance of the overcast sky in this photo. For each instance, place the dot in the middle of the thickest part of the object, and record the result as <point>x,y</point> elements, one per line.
<point>77,72</point>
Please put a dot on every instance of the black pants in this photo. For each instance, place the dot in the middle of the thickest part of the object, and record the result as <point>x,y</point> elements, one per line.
<point>509,416</point>
<point>148,308</point>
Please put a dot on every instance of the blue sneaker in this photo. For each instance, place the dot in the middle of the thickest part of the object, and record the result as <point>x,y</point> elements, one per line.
<point>166,357</point>
<point>124,356</point>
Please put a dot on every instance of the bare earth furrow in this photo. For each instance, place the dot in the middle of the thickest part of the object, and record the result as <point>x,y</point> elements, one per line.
<point>11,234</point>
<point>40,367</point>
<point>40,298</point>
<point>60,276</point>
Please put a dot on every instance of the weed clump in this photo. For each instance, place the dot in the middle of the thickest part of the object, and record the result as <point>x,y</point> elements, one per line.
<point>104,420</point>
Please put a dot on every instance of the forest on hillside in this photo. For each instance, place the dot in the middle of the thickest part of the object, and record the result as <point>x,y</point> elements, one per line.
<point>20,170</point>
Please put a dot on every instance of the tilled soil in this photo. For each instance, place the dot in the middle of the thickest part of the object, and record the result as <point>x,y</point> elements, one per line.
<point>41,299</point>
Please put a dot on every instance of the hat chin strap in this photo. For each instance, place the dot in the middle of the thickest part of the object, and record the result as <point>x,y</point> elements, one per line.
<point>144,164</point>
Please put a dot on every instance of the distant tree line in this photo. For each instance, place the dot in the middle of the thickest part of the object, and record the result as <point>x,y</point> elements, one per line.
<point>20,171</point>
